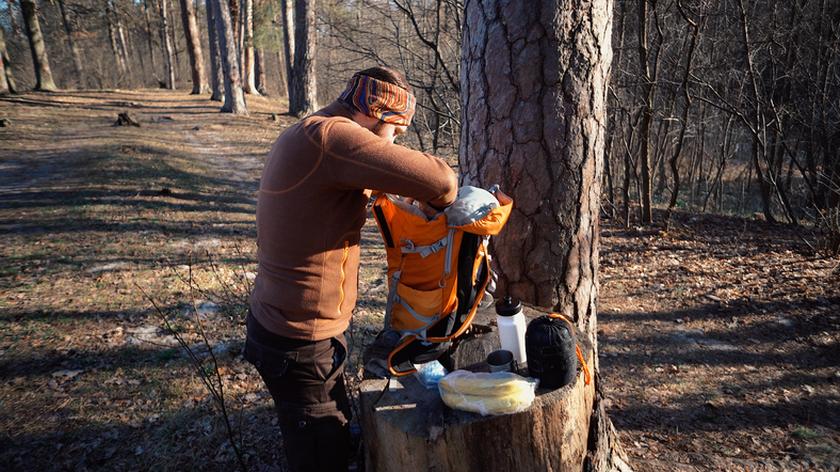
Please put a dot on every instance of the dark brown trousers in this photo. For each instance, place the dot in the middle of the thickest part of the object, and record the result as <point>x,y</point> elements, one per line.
<point>306,380</point>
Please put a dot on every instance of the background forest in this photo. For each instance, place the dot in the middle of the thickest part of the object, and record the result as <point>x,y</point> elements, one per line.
<point>725,106</point>
<point>730,106</point>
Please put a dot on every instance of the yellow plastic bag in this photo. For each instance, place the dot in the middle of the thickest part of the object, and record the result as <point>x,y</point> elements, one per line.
<point>497,393</point>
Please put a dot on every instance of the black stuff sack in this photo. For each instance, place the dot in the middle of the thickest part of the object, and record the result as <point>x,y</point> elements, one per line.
<point>550,345</point>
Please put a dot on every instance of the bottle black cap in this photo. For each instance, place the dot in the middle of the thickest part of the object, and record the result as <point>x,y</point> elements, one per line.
<point>508,306</point>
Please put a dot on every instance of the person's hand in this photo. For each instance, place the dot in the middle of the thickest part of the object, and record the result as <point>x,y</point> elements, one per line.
<point>428,210</point>
<point>425,208</point>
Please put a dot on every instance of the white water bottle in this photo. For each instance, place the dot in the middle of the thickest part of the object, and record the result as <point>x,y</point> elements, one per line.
<point>512,327</point>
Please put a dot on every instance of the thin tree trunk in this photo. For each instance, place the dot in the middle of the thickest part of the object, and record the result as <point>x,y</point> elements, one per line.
<point>149,37</point>
<point>167,45</point>
<point>608,177</point>
<point>628,167</point>
<point>112,40</point>
<point>173,37</point>
<point>550,160</point>
<point>193,36</point>
<point>71,43</point>
<point>123,44</point>
<point>757,126</point>
<point>288,20</point>
<point>303,98</point>
<point>259,71</point>
<point>217,91</point>
<point>236,23</point>
<point>248,60</point>
<point>674,161</point>
<point>745,189</point>
<point>724,151</point>
<point>763,185</point>
<point>625,192</point>
<point>43,75</point>
<point>647,113</point>
<point>234,96</point>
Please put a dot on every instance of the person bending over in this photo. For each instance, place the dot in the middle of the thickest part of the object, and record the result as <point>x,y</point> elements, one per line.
<point>313,194</point>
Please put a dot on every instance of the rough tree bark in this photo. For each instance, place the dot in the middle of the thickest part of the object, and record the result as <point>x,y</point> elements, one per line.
<point>71,43</point>
<point>533,95</point>
<point>303,98</point>
<point>217,91</point>
<point>167,45</point>
<point>43,75</point>
<point>234,96</point>
<point>248,59</point>
<point>193,36</point>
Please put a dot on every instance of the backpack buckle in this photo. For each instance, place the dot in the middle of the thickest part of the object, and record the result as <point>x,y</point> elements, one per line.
<point>408,244</point>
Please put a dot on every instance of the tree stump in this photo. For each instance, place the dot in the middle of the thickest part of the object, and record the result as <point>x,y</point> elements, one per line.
<point>408,428</point>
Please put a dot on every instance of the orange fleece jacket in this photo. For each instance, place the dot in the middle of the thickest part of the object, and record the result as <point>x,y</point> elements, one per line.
<point>310,211</point>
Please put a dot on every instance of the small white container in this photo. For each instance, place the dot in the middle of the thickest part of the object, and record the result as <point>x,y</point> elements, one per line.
<point>512,326</point>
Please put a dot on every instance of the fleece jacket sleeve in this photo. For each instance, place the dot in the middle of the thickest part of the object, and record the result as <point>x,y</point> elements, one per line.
<point>359,159</point>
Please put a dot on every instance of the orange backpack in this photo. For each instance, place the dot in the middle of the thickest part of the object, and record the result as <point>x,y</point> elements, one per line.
<point>438,269</point>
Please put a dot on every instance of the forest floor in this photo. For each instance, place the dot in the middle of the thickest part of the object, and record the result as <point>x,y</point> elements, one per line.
<point>719,339</point>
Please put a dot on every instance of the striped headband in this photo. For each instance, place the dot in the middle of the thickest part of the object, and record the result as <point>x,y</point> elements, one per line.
<point>379,99</point>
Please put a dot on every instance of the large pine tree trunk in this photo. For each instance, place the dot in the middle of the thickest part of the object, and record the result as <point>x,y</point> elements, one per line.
<point>303,97</point>
<point>167,45</point>
<point>534,88</point>
<point>43,75</point>
<point>71,42</point>
<point>217,91</point>
<point>248,59</point>
<point>234,96</point>
<point>193,47</point>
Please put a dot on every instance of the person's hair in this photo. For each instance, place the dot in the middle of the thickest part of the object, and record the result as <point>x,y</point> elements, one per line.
<point>386,74</point>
